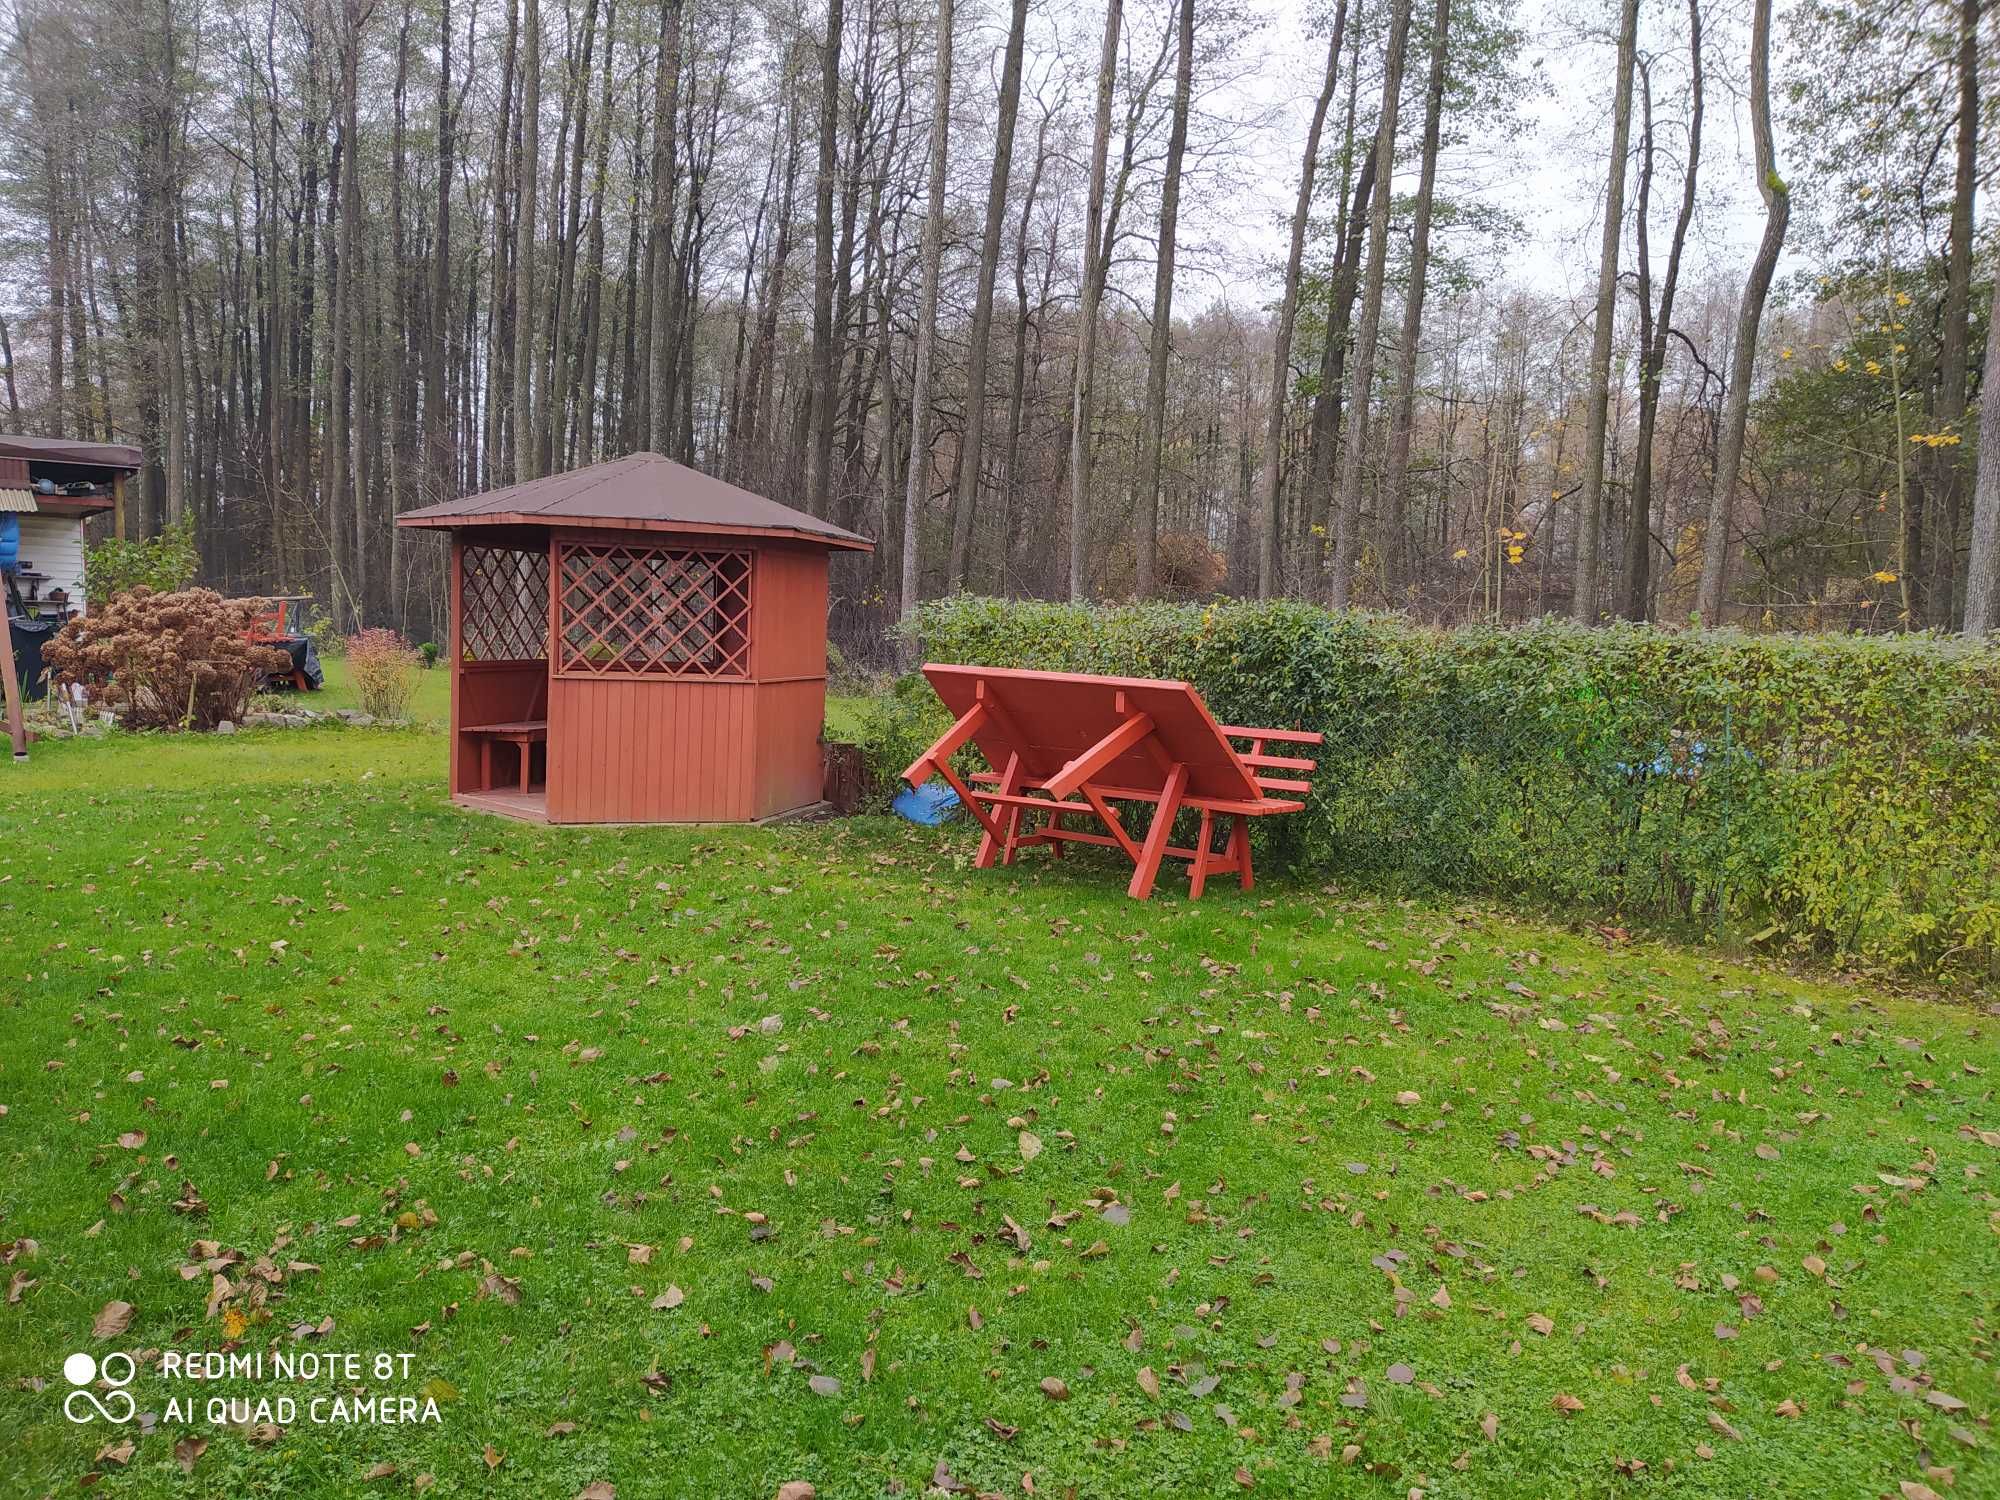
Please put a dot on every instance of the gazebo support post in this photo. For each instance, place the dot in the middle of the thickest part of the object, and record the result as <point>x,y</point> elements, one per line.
<point>455,635</point>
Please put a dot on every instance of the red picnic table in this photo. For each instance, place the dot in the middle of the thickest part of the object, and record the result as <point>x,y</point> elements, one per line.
<point>1063,745</point>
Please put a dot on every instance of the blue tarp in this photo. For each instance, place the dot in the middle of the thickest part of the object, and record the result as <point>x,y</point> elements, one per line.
<point>929,804</point>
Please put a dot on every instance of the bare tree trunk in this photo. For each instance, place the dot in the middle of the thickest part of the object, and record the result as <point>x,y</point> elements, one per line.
<point>526,293</point>
<point>1395,541</point>
<point>175,419</point>
<point>1347,518</point>
<point>1590,512</point>
<point>7,368</point>
<point>1948,410</point>
<point>1654,331</point>
<point>819,438</point>
<point>1736,405</point>
<point>1270,477</point>
<point>662,361</point>
<point>1350,226</point>
<point>439,447</point>
<point>1093,287</point>
<point>341,513</point>
<point>1982,564</point>
<point>563,364</point>
<point>917,490</point>
<point>1147,518</point>
<point>1017,381</point>
<point>590,396</point>
<point>972,443</point>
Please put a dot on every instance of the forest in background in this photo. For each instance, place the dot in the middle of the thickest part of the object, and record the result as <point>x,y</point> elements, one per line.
<point>984,282</point>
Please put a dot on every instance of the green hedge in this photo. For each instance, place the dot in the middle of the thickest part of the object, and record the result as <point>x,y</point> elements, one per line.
<point>1840,793</point>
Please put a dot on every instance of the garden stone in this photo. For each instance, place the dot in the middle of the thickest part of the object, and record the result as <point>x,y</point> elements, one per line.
<point>225,727</point>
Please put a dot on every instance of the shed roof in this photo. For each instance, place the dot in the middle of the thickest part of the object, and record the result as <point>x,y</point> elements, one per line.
<point>639,492</point>
<point>45,450</point>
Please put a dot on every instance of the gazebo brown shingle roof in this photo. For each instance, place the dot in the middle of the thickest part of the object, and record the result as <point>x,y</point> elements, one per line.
<point>642,491</point>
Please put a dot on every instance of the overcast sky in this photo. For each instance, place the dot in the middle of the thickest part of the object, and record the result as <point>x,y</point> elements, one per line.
<point>1551,173</point>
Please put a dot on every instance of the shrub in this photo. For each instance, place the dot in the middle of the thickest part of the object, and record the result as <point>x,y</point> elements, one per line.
<point>384,667</point>
<point>326,638</point>
<point>165,563</point>
<point>429,651</point>
<point>166,660</point>
<point>1839,793</point>
<point>896,726</point>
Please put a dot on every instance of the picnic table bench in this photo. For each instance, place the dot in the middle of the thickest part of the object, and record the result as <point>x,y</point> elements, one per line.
<point>1062,745</point>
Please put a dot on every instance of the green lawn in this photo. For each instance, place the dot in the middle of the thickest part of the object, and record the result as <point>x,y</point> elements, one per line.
<point>695,1161</point>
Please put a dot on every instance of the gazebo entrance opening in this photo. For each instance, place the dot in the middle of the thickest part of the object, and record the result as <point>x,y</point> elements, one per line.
<point>499,750</point>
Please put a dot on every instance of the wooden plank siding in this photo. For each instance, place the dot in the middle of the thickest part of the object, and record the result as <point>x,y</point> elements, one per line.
<point>651,750</point>
<point>788,761</point>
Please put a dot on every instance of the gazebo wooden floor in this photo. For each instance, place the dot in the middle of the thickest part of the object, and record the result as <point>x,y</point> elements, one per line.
<point>533,807</point>
<point>508,802</point>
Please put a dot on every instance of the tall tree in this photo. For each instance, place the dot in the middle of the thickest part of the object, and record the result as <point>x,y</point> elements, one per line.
<point>1655,328</point>
<point>1982,561</point>
<point>1590,506</point>
<point>562,335</point>
<point>346,516</point>
<point>1948,405</point>
<point>971,448</point>
<point>527,294</point>
<point>1093,291</point>
<point>1270,478</point>
<point>439,448</point>
<point>1395,535</point>
<point>819,449</point>
<point>1353,459</point>
<point>1743,359</point>
<point>1146,529</point>
<point>662,359</point>
<point>917,489</point>
<point>1349,227</point>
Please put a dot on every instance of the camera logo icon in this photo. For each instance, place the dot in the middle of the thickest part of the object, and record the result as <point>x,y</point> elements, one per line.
<point>84,1405</point>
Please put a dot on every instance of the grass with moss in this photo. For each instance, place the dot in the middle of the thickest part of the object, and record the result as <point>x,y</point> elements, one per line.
<point>692,1161</point>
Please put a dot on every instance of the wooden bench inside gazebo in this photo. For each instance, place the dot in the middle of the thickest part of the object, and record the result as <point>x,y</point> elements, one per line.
<point>636,642</point>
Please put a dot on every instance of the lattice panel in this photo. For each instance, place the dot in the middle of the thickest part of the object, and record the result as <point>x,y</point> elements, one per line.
<point>654,611</point>
<point>504,604</point>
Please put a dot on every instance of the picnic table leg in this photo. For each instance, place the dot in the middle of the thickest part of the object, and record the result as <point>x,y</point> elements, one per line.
<point>1198,871</point>
<point>485,763</point>
<point>1013,842</point>
<point>1239,845</point>
<point>1055,845</point>
<point>527,763</point>
<point>1010,821</point>
<point>968,801</point>
<point>1159,835</point>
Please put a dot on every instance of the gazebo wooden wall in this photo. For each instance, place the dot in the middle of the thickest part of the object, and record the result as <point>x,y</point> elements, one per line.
<point>723,748</point>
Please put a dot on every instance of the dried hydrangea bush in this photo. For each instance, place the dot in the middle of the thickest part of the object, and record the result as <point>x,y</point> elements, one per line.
<point>166,661</point>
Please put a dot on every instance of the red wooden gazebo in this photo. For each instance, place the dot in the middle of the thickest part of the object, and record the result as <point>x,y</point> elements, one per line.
<point>636,642</point>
